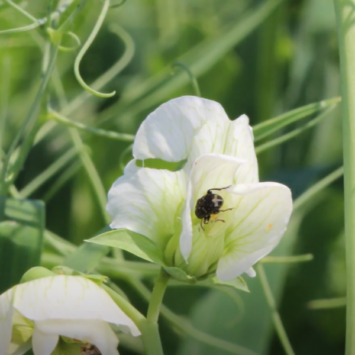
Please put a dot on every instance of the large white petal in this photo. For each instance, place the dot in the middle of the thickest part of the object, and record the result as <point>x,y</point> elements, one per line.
<point>167,132</point>
<point>147,201</point>
<point>95,332</point>
<point>43,343</point>
<point>259,221</point>
<point>208,171</point>
<point>240,144</point>
<point>6,314</point>
<point>68,297</point>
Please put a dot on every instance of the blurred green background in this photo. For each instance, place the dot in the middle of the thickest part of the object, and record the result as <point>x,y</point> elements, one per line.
<point>259,57</point>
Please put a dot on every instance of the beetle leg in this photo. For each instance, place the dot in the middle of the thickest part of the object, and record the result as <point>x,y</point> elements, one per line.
<point>227,209</point>
<point>220,220</point>
<point>218,189</point>
<point>201,225</point>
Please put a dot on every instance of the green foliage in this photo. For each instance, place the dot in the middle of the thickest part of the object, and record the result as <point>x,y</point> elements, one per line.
<point>21,237</point>
<point>273,60</point>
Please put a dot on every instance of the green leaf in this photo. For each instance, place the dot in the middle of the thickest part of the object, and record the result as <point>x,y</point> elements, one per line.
<point>180,275</point>
<point>134,243</point>
<point>21,236</point>
<point>237,283</point>
<point>270,126</point>
<point>86,257</point>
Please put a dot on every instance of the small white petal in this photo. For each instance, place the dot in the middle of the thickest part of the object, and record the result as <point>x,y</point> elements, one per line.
<point>250,272</point>
<point>68,297</point>
<point>94,332</point>
<point>147,202</point>
<point>257,224</point>
<point>6,314</point>
<point>43,343</point>
<point>240,144</point>
<point>208,171</point>
<point>211,138</point>
<point>167,133</point>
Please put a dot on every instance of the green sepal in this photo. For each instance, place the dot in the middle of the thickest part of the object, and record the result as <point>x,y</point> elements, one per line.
<point>64,270</point>
<point>65,347</point>
<point>134,243</point>
<point>237,283</point>
<point>35,273</point>
<point>180,275</point>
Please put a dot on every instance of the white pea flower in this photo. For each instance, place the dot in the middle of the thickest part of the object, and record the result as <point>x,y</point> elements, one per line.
<point>213,215</point>
<point>70,310</point>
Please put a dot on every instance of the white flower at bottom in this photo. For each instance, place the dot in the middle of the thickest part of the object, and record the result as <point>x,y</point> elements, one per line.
<point>41,311</point>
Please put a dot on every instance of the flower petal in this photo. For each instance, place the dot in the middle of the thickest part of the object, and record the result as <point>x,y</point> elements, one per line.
<point>43,343</point>
<point>21,349</point>
<point>95,332</point>
<point>208,171</point>
<point>147,201</point>
<point>6,314</point>
<point>68,297</point>
<point>259,220</point>
<point>167,133</point>
<point>241,145</point>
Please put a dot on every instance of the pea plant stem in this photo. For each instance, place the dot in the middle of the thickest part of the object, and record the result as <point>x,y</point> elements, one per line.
<point>151,336</point>
<point>345,21</point>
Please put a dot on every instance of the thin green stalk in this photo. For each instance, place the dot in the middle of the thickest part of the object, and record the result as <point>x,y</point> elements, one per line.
<point>85,158</point>
<point>287,259</point>
<point>35,22</point>
<point>272,125</point>
<point>317,187</point>
<point>5,88</point>
<point>30,119</point>
<point>62,179</point>
<point>84,49</point>
<point>97,131</point>
<point>345,19</point>
<point>92,173</point>
<point>48,173</point>
<point>329,303</point>
<point>192,77</point>
<point>280,330</point>
<point>284,138</point>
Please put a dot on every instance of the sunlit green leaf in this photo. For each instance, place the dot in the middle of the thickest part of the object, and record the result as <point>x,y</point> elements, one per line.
<point>134,243</point>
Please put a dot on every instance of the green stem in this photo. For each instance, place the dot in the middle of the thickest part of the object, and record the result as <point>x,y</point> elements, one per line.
<point>157,296</point>
<point>43,177</point>
<point>30,121</point>
<point>345,18</point>
<point>329,303</point>
<point>294,133</point>
<point>183,326</point>
<point>317,187</point>
<point>98,131</point>
<point>151,336</point>
<point>287,259</point>
<point>280,330</point>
